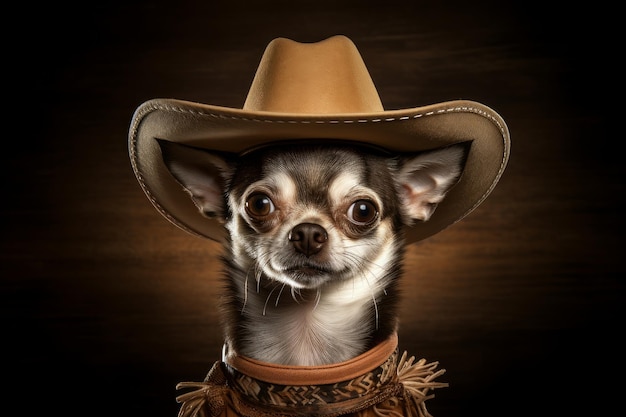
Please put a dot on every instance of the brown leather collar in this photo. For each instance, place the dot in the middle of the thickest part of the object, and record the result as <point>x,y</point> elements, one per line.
<point>313,375</point>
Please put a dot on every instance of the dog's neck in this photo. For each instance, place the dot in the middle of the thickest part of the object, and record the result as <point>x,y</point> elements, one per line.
<point>272,322</point>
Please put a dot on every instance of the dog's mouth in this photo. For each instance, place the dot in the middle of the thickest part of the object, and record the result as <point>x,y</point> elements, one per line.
<point>307,271</point>
<point>308,275</point>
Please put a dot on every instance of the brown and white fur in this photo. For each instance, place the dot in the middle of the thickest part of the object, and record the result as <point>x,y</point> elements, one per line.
<point>315,240</point>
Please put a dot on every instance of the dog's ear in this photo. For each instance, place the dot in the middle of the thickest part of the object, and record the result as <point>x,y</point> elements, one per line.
<point>203,174</point>
<point>426,178</point>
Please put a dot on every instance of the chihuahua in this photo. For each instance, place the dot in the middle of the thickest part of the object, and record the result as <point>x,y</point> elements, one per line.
<point>315,239</point>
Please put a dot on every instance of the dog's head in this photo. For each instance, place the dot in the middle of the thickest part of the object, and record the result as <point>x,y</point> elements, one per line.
<point>306,215</point>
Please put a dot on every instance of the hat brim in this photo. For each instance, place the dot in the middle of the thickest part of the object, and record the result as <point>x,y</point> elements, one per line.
<point>236,130</point>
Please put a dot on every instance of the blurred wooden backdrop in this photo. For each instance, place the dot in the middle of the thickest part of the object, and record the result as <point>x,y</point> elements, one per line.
<point>106,306</point>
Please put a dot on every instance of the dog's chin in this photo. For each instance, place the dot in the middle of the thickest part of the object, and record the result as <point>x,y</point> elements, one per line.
<point>306,277</point>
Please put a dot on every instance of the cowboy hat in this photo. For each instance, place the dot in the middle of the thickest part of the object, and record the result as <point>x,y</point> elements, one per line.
<point>315,91</point>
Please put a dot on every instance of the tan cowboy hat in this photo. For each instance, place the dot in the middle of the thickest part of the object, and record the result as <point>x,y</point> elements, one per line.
<point>316,91</point>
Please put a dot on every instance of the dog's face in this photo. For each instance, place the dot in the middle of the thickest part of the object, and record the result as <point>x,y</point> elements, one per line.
<point>309,215</point>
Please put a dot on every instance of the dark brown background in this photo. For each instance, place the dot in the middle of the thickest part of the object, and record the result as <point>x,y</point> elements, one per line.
<point>106,306</point>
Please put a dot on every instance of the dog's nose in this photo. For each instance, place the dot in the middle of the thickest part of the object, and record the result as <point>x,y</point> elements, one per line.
<point>308,238</point>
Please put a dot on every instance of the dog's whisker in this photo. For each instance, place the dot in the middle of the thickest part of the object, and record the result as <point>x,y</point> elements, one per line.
<point>318,297</point>
<point>375,309</point>
<point>259,272</point>
<point>257,277</point>
<point>357,260</point>
<point>373,297</point>
<point>267,299</point>
<point>279,293</point>
<point>245,289</point>
<point>295,293</point>
<point>245,294</point>
<point>354,245</point>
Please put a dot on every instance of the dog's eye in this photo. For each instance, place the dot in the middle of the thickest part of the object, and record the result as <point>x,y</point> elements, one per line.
<point>362,212</point>
<point>259,205</point>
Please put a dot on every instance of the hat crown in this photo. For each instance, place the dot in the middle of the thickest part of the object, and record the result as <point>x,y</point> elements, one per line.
<point>327,77</point>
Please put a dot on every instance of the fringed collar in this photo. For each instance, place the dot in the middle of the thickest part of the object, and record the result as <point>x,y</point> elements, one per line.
<point>377,383</point>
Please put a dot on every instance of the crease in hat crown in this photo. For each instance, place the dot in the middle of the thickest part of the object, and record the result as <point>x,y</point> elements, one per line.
<point>326,77</point>
<point>315,91</point>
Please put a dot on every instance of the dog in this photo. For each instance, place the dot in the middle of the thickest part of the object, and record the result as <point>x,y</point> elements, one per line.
<point>315,190</point>
<point>315,239</point>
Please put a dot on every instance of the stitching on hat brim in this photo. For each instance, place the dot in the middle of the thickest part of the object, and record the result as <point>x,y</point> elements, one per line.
<point>151,106</point>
